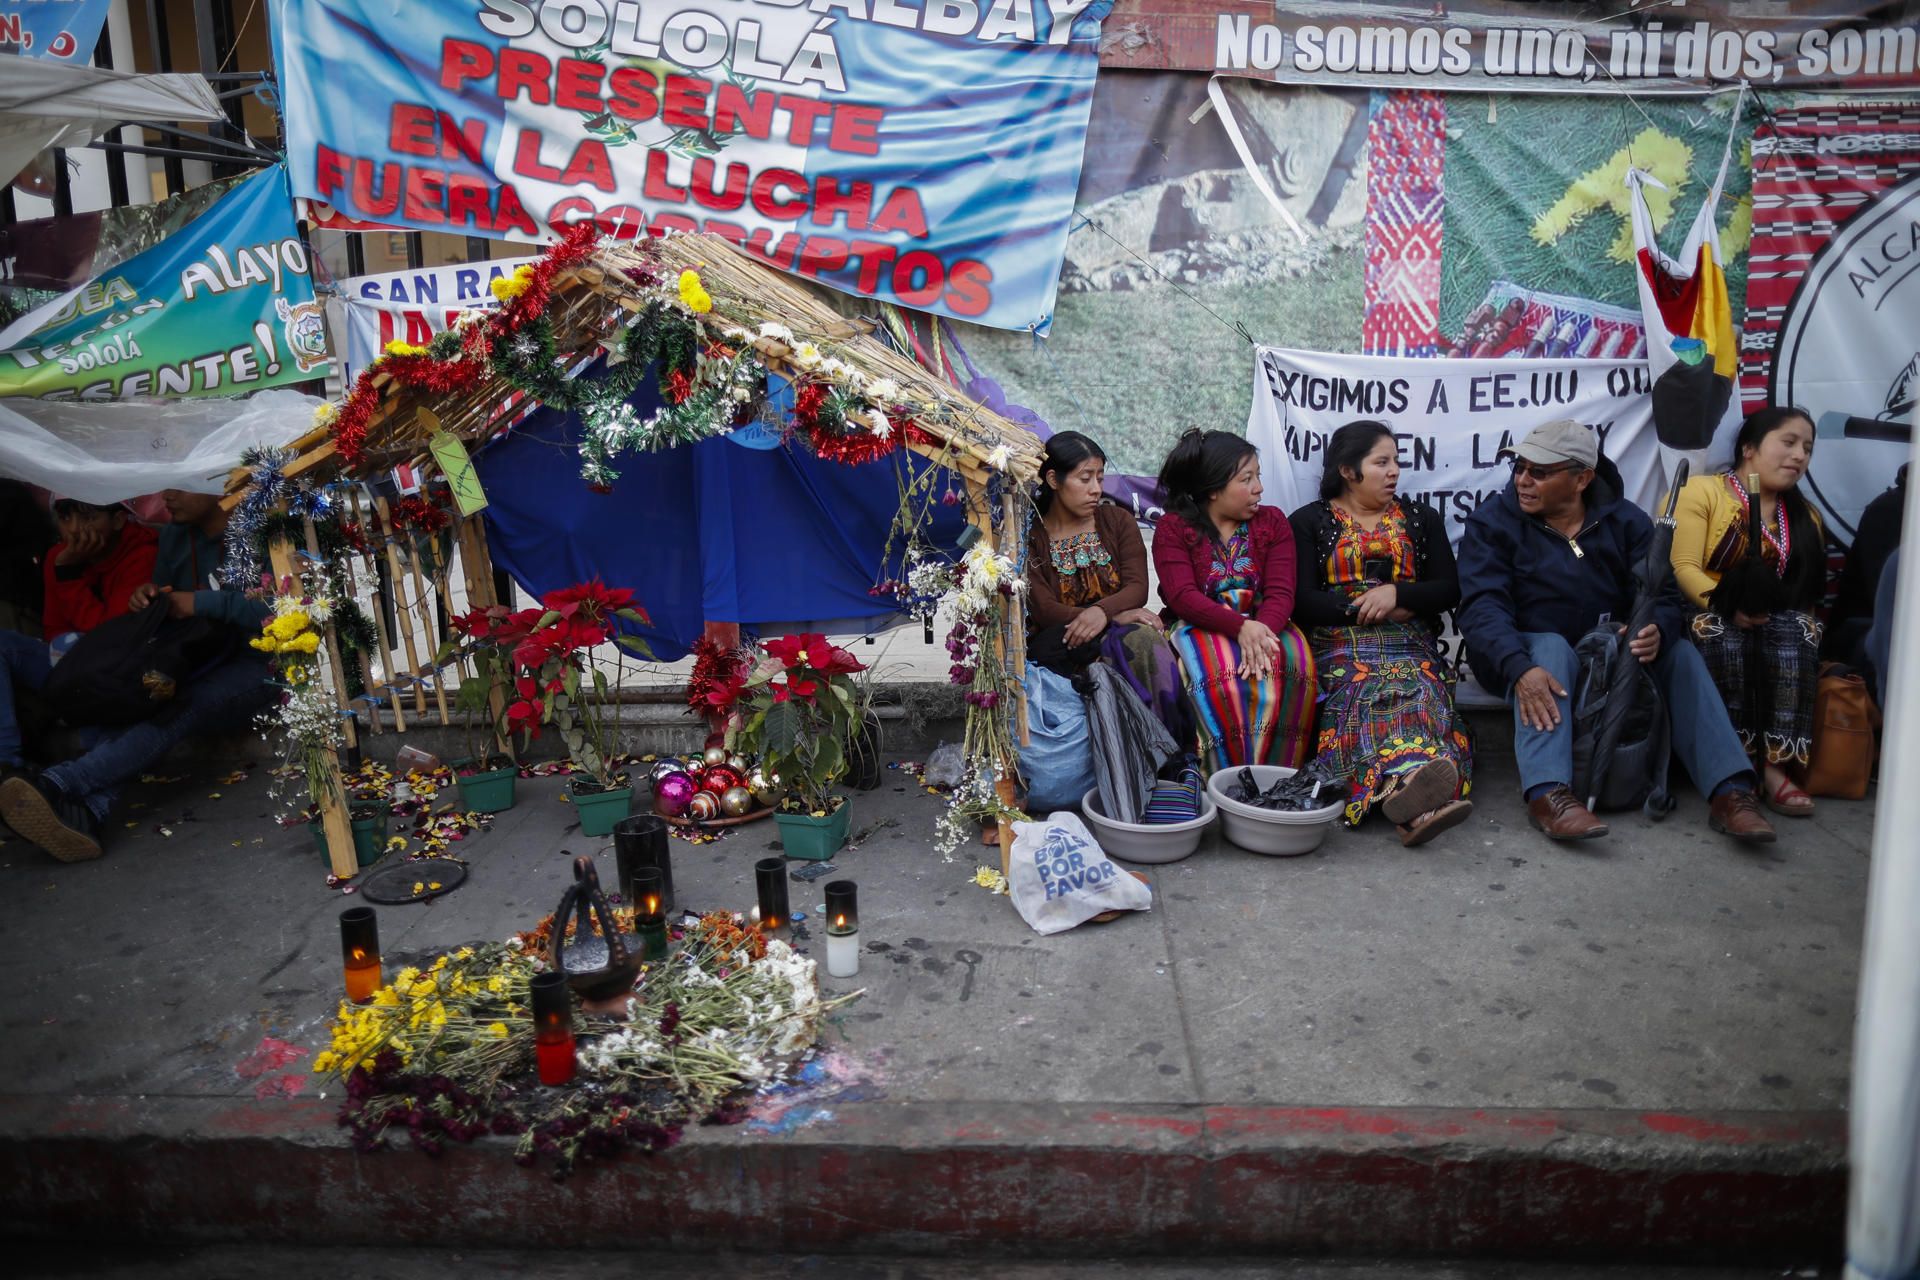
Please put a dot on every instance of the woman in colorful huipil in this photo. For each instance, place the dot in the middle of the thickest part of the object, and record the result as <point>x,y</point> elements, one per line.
<point>1754,618</point>
<point>1087,583</point>
<point>1376,573</point>
<point>1226,573</point>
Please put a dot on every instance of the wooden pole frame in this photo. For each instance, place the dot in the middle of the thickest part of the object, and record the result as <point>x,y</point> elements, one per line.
<point>334,821</point>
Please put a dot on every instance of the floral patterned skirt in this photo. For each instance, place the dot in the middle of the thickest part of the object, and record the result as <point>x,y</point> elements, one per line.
<point>1386,707</point>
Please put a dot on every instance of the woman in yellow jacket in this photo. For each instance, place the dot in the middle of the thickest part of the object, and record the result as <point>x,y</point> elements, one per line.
<point>1765,661</point>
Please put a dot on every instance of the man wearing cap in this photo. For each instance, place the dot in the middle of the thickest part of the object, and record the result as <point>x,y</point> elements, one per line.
<point>100,558</point>
<point>63,809</point>
<point>1540,565</point>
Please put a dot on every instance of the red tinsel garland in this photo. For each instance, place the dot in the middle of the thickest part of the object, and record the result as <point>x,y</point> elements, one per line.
<point>714,668</point>
<point>415,512</point>
<point>464,371</point>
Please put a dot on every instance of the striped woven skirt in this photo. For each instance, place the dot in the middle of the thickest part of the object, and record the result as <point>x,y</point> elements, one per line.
<point>1264,721</point>
<point>1386,708</point>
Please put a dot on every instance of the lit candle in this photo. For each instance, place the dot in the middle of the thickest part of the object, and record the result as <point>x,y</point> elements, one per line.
<point>770,878</point>
<point>843,929</point>
<point>552,1027</point>
<point>360,953</point>
<point>641,841</point>
<point>649,916</point>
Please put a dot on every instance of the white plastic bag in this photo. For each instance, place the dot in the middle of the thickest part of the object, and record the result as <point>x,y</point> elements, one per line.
<point>1061,878</point>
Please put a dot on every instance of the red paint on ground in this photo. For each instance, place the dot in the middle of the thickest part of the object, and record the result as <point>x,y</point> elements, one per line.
<point>1166,1124</point>
<point>1697,1127</point>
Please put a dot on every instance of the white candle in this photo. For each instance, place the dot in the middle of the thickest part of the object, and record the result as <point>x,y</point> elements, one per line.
<point>843,954</point>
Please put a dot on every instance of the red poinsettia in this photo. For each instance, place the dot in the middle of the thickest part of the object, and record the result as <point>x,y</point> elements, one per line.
<point>813,651</point>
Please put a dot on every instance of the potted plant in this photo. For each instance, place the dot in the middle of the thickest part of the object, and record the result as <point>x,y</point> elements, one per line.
<point>557,684</point>
<point>796,711</point>
<point>486,776</point>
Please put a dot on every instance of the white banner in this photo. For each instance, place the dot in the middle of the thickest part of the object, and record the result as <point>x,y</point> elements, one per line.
<point>412,306</point>
<point>1451,417</point>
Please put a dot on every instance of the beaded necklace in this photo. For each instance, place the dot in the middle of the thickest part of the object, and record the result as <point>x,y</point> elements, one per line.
<point>1779,538</point>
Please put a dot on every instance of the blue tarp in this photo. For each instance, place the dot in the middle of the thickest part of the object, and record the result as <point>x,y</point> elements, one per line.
<point>736,529</point>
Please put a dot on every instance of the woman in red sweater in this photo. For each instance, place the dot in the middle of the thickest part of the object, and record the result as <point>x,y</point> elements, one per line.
<point>1226,572</point>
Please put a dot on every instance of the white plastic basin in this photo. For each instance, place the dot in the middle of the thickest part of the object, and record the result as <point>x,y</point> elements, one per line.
<point>1146,842</point>
<point>1270,831</point>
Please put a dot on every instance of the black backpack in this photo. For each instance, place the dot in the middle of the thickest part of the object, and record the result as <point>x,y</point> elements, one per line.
<point>133,667</point>
<point>1638,776</point>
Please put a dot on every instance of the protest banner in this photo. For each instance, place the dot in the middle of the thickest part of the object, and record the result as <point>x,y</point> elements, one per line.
<point>1526,46</point>
<point>1451,418</point>
<point>922,155</point>
<point>224,306</point>
<point>411,306</point>
<point>64,30</point>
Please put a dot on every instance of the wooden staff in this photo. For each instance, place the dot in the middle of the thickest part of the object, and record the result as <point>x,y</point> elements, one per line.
<point>366,663</point>
<point>380,629</point>
<point>337,670</point>
<point>332,801</point>
<point>478,564</point>
<point>399,578</point>
<point>1004,788</point>
<point>422,606</point>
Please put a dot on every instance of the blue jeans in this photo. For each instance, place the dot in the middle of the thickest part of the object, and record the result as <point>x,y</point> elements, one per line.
<point>24,664</point>
<point>227,697</point>
<point>1879,641</point>
<point>1703,736</point>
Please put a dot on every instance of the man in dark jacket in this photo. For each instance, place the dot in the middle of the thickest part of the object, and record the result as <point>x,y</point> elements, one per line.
<point>62,809</point>
<point>1540,566</point>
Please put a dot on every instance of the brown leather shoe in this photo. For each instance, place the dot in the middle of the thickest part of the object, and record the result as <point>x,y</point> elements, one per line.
<point>1737,814</point>
<point>1563,817</point>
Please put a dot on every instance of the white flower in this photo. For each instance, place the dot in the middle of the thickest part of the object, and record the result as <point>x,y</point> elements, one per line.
<point>734,333</point>
<point>806,355</point>
<point>835,368</point>
<point>777,332</point>
<point>1000,457</point>
<point>877,422</point>
<point>883,391</point>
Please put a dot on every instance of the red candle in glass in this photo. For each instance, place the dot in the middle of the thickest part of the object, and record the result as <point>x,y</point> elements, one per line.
<point>552,1028</point>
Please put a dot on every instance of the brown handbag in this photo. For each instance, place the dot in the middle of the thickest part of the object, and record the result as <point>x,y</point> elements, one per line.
<point>1844,720</point>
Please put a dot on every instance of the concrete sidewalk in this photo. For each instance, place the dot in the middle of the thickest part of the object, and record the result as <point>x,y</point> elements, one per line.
<point>1493,1043</point>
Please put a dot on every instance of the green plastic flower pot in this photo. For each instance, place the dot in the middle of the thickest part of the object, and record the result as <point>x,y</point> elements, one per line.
<point>369,837</point>
<point>490,791</point>
<point>812,839</point>
<point>600,810</point>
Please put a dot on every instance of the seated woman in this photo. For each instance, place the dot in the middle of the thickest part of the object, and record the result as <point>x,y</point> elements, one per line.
<point>1376,573</point>
<point>1226,577</point>
<point>1753,606</point>
<point>1087,583</point>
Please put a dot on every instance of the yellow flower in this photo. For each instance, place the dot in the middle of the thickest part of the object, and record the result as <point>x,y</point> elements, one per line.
<point>693,294</point>
<point>325,1062</point>
<point>498,1030</point>
<point>264,644</point>
<point>510,287</point>
<point>400,348</point>
<point>396,842</point>
<point>308,642</point>
<point>324,414</point>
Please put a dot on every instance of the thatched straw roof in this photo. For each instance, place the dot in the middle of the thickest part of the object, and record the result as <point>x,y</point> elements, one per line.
<point>592,301</point>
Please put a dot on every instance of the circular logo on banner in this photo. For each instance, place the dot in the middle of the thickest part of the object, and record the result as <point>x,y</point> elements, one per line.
<point>1847,354</point>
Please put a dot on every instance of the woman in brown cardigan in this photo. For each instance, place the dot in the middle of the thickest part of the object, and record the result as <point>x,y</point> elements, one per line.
<point>1087,583</point>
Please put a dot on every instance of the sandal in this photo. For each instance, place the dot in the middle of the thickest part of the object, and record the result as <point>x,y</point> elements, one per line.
<point>1419,790</point>
<point>1433,822</point>
<point>1789,801</point>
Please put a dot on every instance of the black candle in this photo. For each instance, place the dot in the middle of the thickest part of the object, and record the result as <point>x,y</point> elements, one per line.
<point>360,952</point>
<point>770,877</point>
<point>641,841</point>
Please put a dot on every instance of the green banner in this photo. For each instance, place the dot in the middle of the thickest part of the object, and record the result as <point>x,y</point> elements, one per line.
<point>221,308</point>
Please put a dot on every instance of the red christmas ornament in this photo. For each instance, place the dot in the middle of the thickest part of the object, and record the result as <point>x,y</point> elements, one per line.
<point>720,778</point>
